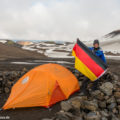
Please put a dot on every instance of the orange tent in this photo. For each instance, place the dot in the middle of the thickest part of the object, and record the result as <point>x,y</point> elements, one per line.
<point>42,86</point>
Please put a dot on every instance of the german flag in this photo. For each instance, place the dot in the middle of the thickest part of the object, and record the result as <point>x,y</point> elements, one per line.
<point>87,62</point>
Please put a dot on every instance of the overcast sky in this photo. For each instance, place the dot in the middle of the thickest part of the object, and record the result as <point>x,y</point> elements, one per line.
<point>58,19</point>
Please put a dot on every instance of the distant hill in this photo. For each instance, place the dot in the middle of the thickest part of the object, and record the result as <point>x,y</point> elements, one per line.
<point>10,50</point>
<point>113,34</point>
<point>24,43</point>
<point>111,42</point>
<point>9,42</point>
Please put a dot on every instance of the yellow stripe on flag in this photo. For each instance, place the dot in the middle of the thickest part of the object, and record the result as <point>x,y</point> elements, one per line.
<point>80,66</point>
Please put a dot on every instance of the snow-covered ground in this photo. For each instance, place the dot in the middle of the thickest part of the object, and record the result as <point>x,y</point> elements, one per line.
<point>112,57</point>
<point>3,41</point>
<point>53,50</point>
<point>42,61</point>
<point>111,47</point>
<point>110,44</point>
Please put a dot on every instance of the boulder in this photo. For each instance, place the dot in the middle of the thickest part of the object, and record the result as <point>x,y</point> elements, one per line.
<point>77,101</point>
<point>117,94</point>
<point>78,118</point>
<point>104,113</point>
<point>65,106</point>
<point>117,89</point>
<point>118,83</point>
<point>118,101</point>
<point>112,106</point>
<point>107,88</point>
<point>24,70</point>
<point>118,108</point>
<point>9,83</point>
<point>114,117</point>
<point>63,116</point>
<point>98,95</point>
<point>111,100</point>
<point>92,116</point>
<point>90,105</point>
<point>102,104</point>
<point>7,90</point>
<point>115,111</point>
<point>104,118</point>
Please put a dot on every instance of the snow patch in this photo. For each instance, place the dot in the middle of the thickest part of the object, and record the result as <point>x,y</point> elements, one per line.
<point>3,41</point>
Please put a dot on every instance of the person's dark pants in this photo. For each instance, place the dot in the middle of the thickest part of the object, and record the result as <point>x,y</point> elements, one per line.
<point>95,85</point>
<point>85,84</point>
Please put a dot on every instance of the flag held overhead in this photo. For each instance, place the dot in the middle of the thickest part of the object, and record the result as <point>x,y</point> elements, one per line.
<point>87,62</point>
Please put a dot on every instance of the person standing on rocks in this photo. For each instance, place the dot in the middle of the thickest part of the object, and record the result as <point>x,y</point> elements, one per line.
<point>96,49</point>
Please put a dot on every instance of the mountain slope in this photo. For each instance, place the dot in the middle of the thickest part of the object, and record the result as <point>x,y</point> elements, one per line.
<point>113,34</point>
<point>12,52</point>
<point>111,42</point>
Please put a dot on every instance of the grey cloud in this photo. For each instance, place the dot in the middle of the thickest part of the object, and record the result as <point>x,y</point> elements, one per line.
<point>58,19</point>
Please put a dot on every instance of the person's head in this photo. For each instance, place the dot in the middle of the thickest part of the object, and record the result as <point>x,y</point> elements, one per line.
<point>96,43</point>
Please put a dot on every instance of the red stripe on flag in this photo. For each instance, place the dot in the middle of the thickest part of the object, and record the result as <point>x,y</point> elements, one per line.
<point>87,60</point>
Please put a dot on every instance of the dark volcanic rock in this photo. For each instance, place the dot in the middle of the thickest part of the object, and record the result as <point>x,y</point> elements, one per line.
<point>100,104</point>
<point>76,102</point>
<point>107,88</point>
<point>112,106</point>
<point>92,116</point>
<point>65,105</point>
<point>8,79</point>
<point>63,116</point>
<point>117,94</point>
<point>90,105</point>
<point>98,95</point>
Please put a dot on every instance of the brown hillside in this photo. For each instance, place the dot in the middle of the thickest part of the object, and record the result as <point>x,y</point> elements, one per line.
<point>14,52</point>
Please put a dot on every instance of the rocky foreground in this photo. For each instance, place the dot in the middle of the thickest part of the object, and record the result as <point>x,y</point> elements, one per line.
<point>8,79</point>
<point>100,103</point>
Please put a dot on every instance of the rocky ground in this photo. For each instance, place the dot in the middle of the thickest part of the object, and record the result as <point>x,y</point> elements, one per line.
<point>102,103</point>
<point>91,103</point>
